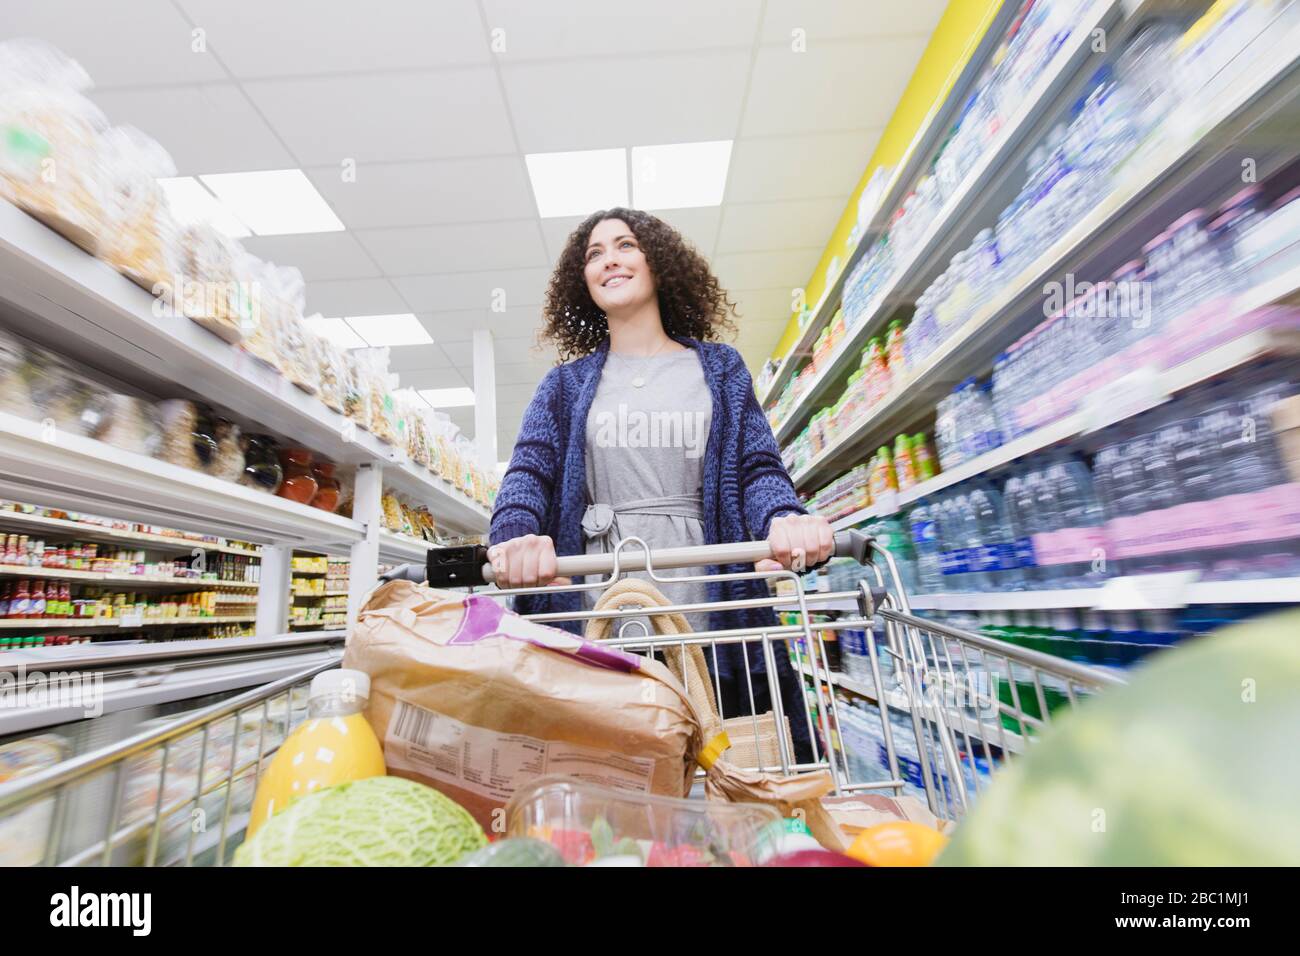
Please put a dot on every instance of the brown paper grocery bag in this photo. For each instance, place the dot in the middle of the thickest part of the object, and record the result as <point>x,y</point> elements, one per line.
<point>475,700</point>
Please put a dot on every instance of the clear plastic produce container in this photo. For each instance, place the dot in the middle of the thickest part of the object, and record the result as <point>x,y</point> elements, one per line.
<point>589,823</point>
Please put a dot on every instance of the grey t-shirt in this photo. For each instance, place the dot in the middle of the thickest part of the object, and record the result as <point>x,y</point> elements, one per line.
<point>645,462</point>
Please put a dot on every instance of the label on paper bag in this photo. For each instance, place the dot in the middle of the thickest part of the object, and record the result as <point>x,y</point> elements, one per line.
<point>494,764</point>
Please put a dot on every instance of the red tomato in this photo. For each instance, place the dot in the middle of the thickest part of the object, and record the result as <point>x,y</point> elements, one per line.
<point>574,845</point>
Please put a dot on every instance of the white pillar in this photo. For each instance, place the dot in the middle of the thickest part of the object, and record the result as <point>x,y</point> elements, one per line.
<point>485,399</point>
<point>363,572</point>
<point>273,591</point>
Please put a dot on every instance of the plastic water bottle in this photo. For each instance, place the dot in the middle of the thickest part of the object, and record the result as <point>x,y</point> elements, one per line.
<point>993,554</point>
<point>925,543</point>
<point>1018,500</point>
<point>951,539</point>
<point>1080,524</point>
<point>1048,520</point>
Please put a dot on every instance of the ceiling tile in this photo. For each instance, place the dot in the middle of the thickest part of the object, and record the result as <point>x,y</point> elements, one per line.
<point>592,28</point>
<point>512,351</point>
<point>330,36</point>
<point>207,129</point>
<point>419,250</point>
<point>756,227</point>
<point>409,358</point>
<point>698,226</point>
<point>762,305</point>
<point>145,42</point>
<point>783,167</point>
<point>525,373</point>
<point>507,288</point>
<point>319,255</point>
<point>796,92</point>
<point>789,268</point>
<point>400,116</point>
<point>345,297</point>
<point>642,101</point>
<point>460,326</point>
<point>382,195</point>
<point>447,376</point>
<point>854,18</point>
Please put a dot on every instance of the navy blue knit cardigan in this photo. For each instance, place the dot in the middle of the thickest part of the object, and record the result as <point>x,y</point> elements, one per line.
<point>745,486</point>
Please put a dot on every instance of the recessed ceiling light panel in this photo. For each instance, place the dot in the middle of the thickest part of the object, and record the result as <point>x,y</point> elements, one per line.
<point>380,330</point>
<point>274,202</point>
<point>448,397</point>
<point>578,183</point>
<point>681,175</point>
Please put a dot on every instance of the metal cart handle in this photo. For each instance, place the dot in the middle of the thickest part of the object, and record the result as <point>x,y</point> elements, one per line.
<point>469,567</point>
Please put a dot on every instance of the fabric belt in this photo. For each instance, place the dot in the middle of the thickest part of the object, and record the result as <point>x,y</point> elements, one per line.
<point>600,521</point>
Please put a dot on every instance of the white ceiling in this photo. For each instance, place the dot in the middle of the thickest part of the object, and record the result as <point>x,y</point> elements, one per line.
<point>441,212</point>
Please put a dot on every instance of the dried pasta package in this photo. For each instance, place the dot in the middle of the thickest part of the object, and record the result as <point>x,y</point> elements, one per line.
<point>131,424</point>
<point>212,291</point>
<point>15,395</point>
<point>143,240</point>
<point>329,361</point>
<point>380,414</point>
<point>392,512</point>
<point>299,359</point>
<point>270,310</point>
<point>188,437</point>
<point>49,134</point>
<point>413,431</point>
<point>354,405</point>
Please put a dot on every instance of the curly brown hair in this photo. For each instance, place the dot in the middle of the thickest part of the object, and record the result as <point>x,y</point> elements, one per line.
<point>691,301</point>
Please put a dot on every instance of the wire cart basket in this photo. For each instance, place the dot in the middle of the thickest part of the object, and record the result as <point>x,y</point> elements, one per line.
<point>946,708</point>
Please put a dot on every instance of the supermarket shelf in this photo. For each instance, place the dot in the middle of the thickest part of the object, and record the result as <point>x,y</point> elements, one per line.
<point>81,473</point>
<point>992,733</point>
<point>397,548</point>
<point>967,202</point>
<point>451,507</point>
<point>1137,191</point>
<point>83,308</point>
<point>920,152</point>
<point>19,522</point>
<point>1124,593</point>
<point>299,573</point>
<point>323,629</point>
<point>99,655</point>
<point>1238,353</point>
<point>138,581</point>
<point>70,624</point>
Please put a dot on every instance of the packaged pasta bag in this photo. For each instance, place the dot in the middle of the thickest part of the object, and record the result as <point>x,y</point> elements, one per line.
<point>49,141</point>
<point>392,510</point>
<point>143,241</point>
<point>377,394</point>
<point>300,361</point>
<point>63,398</point>
<point>271,311</point>
<point>353,404</point>
<point>414,429</point>
<point>329,361</point>
<point>216,289</point>
<point>464,472</point>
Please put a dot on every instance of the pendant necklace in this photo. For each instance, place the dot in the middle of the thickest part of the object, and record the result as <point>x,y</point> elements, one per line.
<point>638,378</point>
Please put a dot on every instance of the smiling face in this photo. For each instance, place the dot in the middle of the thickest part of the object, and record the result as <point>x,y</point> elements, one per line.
<point>618,276</point>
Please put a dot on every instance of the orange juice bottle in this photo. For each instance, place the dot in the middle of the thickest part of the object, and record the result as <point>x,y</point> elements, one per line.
<point>333,745</point>
<point>904,466</point>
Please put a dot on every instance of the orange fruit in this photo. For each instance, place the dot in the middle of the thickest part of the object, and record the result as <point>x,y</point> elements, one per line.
<point>901,843</point>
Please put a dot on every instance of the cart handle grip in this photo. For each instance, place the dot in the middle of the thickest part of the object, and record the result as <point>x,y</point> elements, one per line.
<point>468,566</point>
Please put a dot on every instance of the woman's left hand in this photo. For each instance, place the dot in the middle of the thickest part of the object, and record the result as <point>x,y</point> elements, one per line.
<point>800,541</point>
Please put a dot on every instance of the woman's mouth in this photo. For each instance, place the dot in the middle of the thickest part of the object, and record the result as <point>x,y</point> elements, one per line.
<point>614,281</point>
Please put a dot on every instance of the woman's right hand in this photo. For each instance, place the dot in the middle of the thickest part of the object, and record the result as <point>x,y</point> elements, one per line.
<point>524,562</point>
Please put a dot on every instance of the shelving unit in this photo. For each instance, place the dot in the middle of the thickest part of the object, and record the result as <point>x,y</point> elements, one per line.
<point>973,198</point>
<point>41,524</point>
<point>46,624</point>
<point>1143,190</point>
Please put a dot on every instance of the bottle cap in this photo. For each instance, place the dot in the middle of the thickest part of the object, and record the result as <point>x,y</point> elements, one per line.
<point>348,684</point>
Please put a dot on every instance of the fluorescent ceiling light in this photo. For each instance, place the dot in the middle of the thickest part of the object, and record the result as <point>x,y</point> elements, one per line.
<point>448,397</point>
<point>578,183</point>
<point>379,330</point>
<point>338,332</point>
<point>274,202</point>
<point>190,203</point>
<point>680,176</point>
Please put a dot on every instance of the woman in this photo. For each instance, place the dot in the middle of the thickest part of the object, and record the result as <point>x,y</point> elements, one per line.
<point>651,428</point>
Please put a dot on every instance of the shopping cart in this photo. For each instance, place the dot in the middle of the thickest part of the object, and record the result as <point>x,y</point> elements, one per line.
<point>179,794</point>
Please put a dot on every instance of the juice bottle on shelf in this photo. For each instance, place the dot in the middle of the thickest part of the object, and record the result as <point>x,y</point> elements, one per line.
<point>904,465</point>
<point>894,347</point>
<point>6,595</point>
<point>923,458</point>
<point>334,745</point>
<point>883,477</point>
